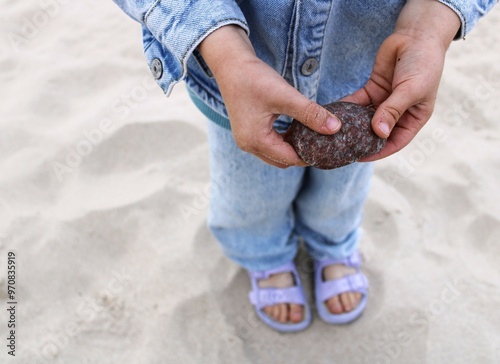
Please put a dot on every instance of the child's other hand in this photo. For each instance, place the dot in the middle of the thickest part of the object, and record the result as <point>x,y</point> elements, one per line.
<point>255,95</point>
<point>405,78</point>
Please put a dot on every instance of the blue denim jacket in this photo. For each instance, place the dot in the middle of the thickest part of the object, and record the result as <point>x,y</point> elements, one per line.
<point>324,48</point>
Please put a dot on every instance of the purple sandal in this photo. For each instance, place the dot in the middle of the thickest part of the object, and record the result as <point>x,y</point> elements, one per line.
<point>324,290</point>
<point>261,297</point>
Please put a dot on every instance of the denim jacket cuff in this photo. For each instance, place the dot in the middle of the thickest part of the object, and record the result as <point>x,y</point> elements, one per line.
<point>469,13</point>
<point>180,26</point>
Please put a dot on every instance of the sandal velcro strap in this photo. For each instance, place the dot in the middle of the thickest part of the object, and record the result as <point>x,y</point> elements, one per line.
<point>353,261</point>
<point>352,283</point>
<point>270,296</point>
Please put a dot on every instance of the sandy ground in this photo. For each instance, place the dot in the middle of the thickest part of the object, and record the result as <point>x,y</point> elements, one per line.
<point>97,167</point>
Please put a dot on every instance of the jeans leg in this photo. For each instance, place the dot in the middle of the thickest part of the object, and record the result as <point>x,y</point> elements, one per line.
<point>329,209</point>
<point>251,204</point>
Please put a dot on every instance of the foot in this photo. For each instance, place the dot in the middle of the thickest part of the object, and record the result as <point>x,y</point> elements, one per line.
<point>283,312</point>
<point>344,302</point>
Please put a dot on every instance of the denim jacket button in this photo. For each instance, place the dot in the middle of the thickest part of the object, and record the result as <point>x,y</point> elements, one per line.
<point>156,68</point>
<point>309,66</point>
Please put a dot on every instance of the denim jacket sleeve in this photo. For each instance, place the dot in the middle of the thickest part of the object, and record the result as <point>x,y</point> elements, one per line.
<point>172,29</point>
<point>180,26</point>
<point>469,12</point>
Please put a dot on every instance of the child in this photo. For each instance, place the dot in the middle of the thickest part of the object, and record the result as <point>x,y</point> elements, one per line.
<point>251,66</point>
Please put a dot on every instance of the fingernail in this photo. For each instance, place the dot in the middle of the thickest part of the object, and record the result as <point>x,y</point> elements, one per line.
<point>385,128</point>
<point>332,123</point>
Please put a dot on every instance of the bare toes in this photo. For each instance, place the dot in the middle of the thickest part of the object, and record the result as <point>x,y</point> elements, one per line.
<point>346,300</point>
<point>268,310</point>
<point>296,313</point>
<point>275,313</point>
<point>283,316</point>
<point>334,305</point>
<point>356,299</point>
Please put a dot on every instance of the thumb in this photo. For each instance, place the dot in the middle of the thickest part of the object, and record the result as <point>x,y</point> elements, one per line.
<point>390,111</point>
<point>309,113</point>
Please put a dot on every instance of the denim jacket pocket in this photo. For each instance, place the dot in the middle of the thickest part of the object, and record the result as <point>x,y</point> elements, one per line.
<point>203,65</point>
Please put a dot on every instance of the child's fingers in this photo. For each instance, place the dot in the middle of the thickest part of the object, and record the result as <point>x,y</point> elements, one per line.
<point>297,106</point>
<point>360,97</point>
<point>408,100</point>
<point>400,137</point>
<point>275,151</point>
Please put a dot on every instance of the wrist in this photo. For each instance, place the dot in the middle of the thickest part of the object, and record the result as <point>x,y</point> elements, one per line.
<point>224,46</point>
<point>429,20</point>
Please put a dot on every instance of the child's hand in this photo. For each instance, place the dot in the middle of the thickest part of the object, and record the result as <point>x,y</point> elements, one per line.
<point>405,78</point>
<point>255,95</point>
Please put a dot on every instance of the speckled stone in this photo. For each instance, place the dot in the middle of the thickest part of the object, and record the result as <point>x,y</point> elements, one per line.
<point>355,140</point>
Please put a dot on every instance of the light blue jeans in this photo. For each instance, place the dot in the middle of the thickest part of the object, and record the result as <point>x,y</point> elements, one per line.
<point>258,212</point>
